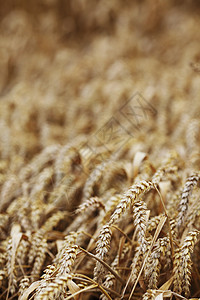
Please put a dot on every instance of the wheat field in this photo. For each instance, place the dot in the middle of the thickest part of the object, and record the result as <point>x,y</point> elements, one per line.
<point>99,149</point>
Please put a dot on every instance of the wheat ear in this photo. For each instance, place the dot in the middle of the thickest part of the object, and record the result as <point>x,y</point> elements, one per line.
<point>39,260</point>
<point>129,198</point>
<point>153,266</point>
<point>24,284</point>
<point>149,295</point>
<point>183,264</point>
<point>187,190</point>
<point>103,245</point>
<point>92,203</point>
<point>93,179</point>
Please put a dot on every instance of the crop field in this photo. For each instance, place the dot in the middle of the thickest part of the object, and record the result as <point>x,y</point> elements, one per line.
<point>99,150</point>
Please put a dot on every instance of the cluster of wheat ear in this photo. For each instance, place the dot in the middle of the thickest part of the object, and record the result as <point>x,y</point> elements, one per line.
<point>120,241</point>
<point>99,150</point>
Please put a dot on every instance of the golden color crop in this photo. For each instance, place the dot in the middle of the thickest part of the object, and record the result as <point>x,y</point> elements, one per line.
<point>99,149</point>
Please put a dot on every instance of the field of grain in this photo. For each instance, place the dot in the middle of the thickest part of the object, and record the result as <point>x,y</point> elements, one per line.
<point>99,149</point>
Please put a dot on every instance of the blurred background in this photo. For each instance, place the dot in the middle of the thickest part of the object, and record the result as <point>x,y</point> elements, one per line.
<point>68,66</point>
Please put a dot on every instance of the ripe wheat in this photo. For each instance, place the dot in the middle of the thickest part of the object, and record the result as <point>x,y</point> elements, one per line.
<point>99,150</point>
